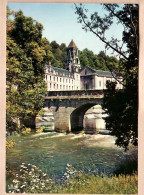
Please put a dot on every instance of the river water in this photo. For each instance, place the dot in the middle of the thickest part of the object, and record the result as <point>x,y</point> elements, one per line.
<point>51,152</point>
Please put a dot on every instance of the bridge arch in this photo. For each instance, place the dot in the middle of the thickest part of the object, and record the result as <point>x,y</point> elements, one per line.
<point>90,125</point>
<point>77,116</point>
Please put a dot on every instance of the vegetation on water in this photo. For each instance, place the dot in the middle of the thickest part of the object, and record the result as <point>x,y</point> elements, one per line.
<point>26,131</point>
<point>40,130</point>
<point>10,144</point>
<point>31,179</point>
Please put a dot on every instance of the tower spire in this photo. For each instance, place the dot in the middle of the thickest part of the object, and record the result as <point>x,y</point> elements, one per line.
<point>72,44</point>
<point>72,62</point>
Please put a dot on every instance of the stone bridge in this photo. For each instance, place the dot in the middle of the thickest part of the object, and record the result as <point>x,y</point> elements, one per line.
<point>69,107</point>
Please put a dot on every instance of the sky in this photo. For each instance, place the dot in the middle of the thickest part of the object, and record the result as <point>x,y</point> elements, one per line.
<point>60,23</point>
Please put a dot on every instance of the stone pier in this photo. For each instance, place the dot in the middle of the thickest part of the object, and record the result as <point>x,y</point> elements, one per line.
<point>69,107</point>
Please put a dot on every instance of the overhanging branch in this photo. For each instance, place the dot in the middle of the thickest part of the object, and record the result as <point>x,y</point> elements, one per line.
<point>102,39</point>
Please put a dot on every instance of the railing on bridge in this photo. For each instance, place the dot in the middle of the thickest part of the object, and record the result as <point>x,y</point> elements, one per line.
<point>75,93</point>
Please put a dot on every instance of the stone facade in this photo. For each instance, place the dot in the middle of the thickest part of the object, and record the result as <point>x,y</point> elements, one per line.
<point>58,79</point>
<point>75,78</point>
<point>96,79</point>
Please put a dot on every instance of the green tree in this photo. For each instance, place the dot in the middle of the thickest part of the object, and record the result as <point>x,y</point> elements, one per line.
<point>59,52</point>
<point>27,53</point>
<point>122,107</point>
<point>98,62</point>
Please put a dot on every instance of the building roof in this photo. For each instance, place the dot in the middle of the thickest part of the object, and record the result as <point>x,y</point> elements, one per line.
<point>61,71</point>
<point>72,44</point>
<point>104,73</point>
<point>98,72</point>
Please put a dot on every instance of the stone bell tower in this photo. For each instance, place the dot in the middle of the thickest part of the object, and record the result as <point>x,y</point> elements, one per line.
<point>72,62</point>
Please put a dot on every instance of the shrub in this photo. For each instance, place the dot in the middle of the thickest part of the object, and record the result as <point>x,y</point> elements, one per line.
<point>11,126</point>
<point>10,144</point>
<point>96,132</point>
<point>41,112</point>
<point>26,131</point>
<point>82,132</point>
<point>31,180</point>
<point>128,166</point>
<point>39,130</point>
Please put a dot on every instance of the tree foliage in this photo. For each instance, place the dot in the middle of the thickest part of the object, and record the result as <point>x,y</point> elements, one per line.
<point>60,54</point>
<point>27,53</point>
<point>98,62</point>
<point>122,107</point>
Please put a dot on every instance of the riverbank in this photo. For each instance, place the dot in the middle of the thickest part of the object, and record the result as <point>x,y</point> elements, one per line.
<point>91,155</point>
<point>32,180</point>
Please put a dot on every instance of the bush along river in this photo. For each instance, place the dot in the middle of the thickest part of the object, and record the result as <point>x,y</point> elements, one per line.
<point>59,155</point>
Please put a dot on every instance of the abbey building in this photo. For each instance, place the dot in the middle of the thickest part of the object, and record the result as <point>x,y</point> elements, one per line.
<point>73,77</point>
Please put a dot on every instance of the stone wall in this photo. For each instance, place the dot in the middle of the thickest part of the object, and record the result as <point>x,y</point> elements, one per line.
<point>69,113</point>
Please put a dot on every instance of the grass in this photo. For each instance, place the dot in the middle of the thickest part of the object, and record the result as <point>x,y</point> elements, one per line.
<point>90,184</point>
<point>31,179</point>
<point>123,181</point>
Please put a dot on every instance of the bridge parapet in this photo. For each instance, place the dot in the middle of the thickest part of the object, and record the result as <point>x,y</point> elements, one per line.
<point>75,94</point>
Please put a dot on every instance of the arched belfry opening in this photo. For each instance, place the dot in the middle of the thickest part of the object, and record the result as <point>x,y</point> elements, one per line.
<point>77,117</point>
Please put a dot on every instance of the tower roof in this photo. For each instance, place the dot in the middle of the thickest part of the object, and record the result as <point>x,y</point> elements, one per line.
<point>72,44</point>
